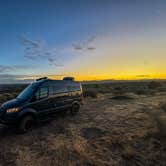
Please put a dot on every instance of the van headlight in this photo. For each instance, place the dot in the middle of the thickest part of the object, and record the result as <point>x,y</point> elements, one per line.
<point>12,110</point>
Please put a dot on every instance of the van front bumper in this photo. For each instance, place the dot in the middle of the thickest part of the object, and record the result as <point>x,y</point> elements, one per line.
<point>8,118</point>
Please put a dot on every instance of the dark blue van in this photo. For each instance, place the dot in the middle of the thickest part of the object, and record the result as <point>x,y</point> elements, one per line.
<point>40,100</point>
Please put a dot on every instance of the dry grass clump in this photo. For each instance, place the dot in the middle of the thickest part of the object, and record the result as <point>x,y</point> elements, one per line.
<point>99,88</point>
<point>154,85</point>
<point>120,94</point>
<point>126,149</point>
<point>141,92</point>
<point>146,92</point>
<point>161,121</point>
<point>80,145</point>
<point>128,152</point>
<point>122,97</point>
<point>163,106</point>
<point>90,93</point>
<point>159,118</point>
<point>7,96</point>
<point>118,91</point>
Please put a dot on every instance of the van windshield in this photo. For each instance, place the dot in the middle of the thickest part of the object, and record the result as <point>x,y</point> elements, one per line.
<point>27,92</point>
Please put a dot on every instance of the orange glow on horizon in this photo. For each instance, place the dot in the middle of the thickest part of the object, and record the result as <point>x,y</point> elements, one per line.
<point>104,77</point>
<point>127,77</point>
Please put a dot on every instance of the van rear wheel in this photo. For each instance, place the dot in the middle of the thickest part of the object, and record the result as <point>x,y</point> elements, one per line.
<point>26,124</point>
<point>75,109</point>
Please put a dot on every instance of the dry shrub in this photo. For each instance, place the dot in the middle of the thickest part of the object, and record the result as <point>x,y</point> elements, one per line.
<point>163,106</point>
<point>122,97</point>
<point>7,96</point>
<point>161,121</point>
<point>117,141</point>
<point>154,85</point>
<point>128,152</point>
<point>159,117</point>
<point>80,145</point>
<point>126,149</point>
<point>141,92</point>
<point>120,94</point>
<point>118,91</point>
<point>90,93</point>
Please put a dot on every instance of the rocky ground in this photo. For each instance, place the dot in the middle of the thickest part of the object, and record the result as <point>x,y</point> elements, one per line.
<point>107,131</point>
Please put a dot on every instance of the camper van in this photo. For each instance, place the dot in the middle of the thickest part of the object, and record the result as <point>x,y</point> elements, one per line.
<point>40,100</point>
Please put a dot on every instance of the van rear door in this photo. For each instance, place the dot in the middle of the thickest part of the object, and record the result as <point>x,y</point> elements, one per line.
<point>75,91</point>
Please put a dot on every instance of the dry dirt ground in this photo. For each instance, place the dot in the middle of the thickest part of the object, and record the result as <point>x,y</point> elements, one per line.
<point>105,132</point>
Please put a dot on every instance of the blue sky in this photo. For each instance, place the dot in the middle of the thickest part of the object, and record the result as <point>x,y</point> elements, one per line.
<point>82,38</point>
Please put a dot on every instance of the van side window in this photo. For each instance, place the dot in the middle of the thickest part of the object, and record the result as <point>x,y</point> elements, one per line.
<point>43,92</point>
<point>51,90</point>
<point>36,96</point>
<point>59,89</point>
<point>73,88</point>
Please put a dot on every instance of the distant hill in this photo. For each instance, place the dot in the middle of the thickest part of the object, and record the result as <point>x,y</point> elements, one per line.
<point>120,81</point>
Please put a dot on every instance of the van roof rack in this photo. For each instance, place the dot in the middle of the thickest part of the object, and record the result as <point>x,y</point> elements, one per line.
<point>43,78</point>
<point>68,78</point>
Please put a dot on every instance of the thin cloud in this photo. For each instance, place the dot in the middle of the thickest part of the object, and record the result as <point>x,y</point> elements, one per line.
<point>91,48</point>
<point>77,47</point>
<point>35,50</point>
<point>86,45</point>
<point>142,76</point>
<point>89,43</point>
<point>39,50</point>
<point>7,68</point>
<point>53,62</point>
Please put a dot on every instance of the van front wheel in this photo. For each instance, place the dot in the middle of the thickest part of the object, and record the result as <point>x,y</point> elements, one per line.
<point>75,109</point>
<point>26,124</point>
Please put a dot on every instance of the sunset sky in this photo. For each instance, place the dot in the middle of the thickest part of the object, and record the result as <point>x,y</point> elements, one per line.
<point>88,39</point>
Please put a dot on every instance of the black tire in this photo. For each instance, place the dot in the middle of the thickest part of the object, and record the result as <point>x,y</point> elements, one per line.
<point>26,124</point>
<point>75,109</point>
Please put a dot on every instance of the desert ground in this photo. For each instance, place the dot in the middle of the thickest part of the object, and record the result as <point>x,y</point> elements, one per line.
<point>119,124</point>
